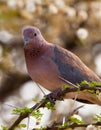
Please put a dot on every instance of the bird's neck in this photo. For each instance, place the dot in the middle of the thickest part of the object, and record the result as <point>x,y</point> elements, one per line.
<point>37,50</point>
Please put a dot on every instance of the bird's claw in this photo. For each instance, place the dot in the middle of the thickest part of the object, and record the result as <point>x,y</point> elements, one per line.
<point>55,95</point>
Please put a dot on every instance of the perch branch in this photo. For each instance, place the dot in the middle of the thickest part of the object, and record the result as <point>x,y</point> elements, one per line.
<point>52,97</point>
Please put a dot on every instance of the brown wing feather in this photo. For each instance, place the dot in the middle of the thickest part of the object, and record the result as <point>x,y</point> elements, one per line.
<point>71,67</point>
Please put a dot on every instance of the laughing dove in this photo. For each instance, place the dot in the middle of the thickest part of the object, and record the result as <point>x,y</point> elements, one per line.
<point>47,62</point>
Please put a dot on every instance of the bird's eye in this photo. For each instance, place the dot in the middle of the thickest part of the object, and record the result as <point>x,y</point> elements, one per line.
<point>35,34</point>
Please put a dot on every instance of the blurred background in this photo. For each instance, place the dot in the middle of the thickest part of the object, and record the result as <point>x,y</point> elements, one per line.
<point>72,24</point>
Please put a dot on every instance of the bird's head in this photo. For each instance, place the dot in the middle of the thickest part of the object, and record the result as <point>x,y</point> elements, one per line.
<point>32,35</point>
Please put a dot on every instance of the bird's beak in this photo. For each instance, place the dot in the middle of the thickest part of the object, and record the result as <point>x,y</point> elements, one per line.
<point>26,40</point>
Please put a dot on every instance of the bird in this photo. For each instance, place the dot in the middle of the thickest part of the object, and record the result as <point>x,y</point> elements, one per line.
<point>46,62</point>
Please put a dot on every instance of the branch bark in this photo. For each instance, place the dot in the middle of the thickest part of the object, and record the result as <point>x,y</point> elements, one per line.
<point>52,97</point>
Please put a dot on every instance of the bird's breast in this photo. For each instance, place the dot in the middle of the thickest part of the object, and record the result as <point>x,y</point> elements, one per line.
<point>45,72</point>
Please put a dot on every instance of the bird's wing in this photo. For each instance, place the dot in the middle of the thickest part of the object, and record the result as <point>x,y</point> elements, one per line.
<point>71,67</point>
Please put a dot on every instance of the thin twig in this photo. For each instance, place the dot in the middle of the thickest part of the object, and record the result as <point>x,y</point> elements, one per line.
<point>56,95</point>
<point>68,82</point>
<point>74,125</point>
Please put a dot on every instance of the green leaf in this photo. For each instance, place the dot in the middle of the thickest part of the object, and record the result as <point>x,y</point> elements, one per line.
<point>97,92</point>
<point>35,100</point>
<point>64,126</point>
<point>21,126</point>
<point>76,120</point>
<point>65,87</point>
<point>50,105</point>
<point>37,114</point>
<point>90,84</point>
<point>78,90</point>
<point>97,118</point>
<point>3,127</point>
<point>21,110</point>
<point>94,84</point>
<point>84,82</point>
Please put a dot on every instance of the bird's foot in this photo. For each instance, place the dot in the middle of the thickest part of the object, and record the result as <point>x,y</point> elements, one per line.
<point>55,95</point>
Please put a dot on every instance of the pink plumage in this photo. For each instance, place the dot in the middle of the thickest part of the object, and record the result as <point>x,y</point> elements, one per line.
<point>47,62</point>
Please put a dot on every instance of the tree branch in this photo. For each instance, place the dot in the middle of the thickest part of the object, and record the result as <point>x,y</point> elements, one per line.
<point>52,97</point>
<point>74,125</point>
